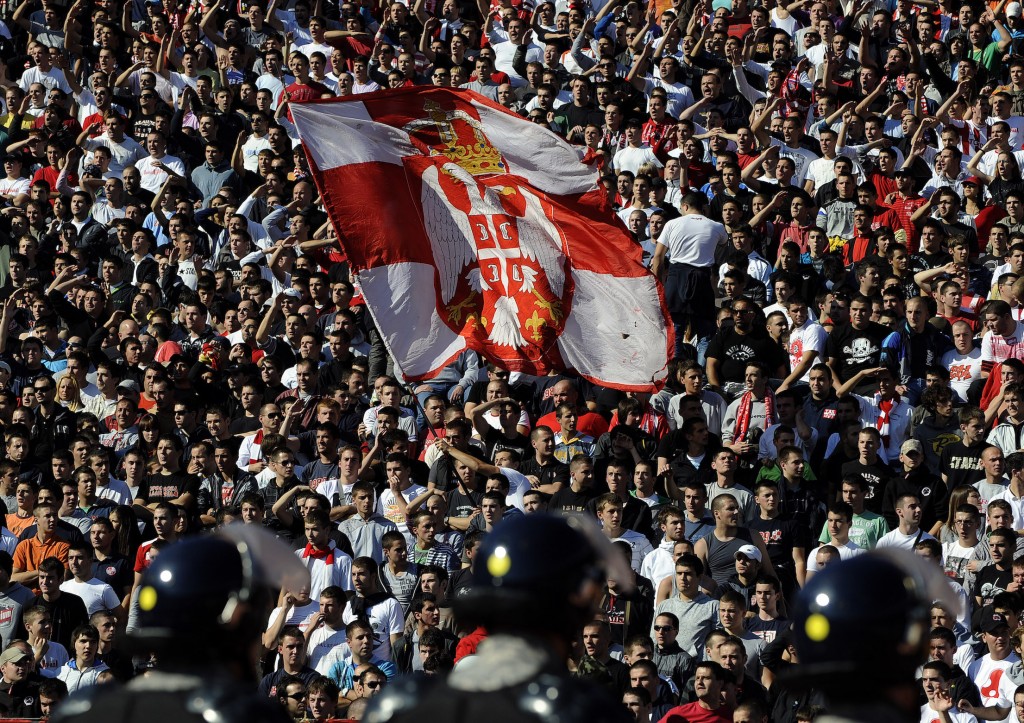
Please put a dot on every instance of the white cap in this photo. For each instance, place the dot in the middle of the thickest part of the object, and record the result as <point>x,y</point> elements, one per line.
<point>1013,9</point>
<point>749,551</point>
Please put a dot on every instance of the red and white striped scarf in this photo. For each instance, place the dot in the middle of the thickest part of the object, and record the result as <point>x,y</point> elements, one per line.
<point>745,410</point>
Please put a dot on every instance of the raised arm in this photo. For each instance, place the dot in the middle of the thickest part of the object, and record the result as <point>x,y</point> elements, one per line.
<point>126,22</point>
<point>634,77</point>
<point>21,16</point>
<point>972,165</point>
<point>207,26</point>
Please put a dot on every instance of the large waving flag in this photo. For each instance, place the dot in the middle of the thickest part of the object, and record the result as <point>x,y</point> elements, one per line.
<point>471,228</point>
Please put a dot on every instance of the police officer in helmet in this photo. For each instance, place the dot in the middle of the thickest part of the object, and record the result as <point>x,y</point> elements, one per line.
<point>203,603</point>
<point>536,582</point>
<point>861,632</point>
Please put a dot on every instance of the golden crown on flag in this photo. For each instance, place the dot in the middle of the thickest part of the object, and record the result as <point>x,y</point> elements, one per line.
<point>478,157</point>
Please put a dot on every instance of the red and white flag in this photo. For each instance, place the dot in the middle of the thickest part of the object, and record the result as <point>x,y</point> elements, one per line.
<point>469,227</point>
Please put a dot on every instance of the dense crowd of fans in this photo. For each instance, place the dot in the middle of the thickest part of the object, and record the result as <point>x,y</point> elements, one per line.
<point>831,192</point>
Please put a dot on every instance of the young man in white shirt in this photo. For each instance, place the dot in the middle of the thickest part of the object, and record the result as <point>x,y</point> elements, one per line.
<point>609,512</point>
<point>909,532</point>
<point>940,708</point>
<point>837,524</point>
<point>96,594</point>
<point>327,565</point>
<point>990,672</point>
<point>393,502</point>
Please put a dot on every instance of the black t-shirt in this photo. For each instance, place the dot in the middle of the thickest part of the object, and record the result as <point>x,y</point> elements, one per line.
<point>877,476</point>
<point>547,474</point>
<point>767,630</point>
<point>962,464</point>
<point>991,581</point>
<point>856,349</point>
<point>496,441</point>
<point>780,536</point>
<point>569,501</point>
<point>167,487</point>
<point>461,504</point>
<point>67,612</point>
<point>734,350</point>
<point>443,473</point>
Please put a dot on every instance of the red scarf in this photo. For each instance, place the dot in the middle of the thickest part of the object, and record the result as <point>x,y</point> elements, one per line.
<point>744,411</point>
<point>326,555</point>
<point>884,410</point>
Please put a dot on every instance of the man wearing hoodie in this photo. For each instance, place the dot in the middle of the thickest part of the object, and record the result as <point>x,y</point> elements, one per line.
<point>915,478</point>
<point>84,670</point>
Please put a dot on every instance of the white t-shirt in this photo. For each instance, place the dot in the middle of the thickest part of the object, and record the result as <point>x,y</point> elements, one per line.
<point>386,619</point>
<point>692,239</point>
<point>505,52</point>
<point>1016,124</point>
<point>640,546</point>
<point>518,485</point>
<point>96,594</point>
<point>322,642</point>
<point>963,369</point>
<point>630,159</point>
<point>895,538</point>
<point>956,716</point>
<point>299,615</point>
<point>387,507</point>
<point>809,337</point>
<point>322,575</point>
<point>14,186</point>
<point>53,660</point>
<point>122,153</point>
<point>152,177</point>
<point>846,552</point>
<point>993,681</point>
<point>679,95</point>
<point>955,558</point>
<point>1017,503</point>
<point>995,348</point>
<point>801,157</point>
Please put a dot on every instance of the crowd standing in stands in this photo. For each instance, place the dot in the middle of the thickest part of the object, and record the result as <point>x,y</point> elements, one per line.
<point>830,191</point>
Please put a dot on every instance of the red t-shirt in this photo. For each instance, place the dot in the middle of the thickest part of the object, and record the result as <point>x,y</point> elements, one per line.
<point>696,713</point>
<point>590,423</point>
<point>299,92</point>
<point>142,560</point>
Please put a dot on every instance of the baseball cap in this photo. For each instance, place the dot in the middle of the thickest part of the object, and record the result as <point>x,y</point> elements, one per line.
<point>903,172</point>
<point>722,5</point>
<point>292,293</point>
<point>129,385</point>
<point>5,366</point>
<point>975,180</point>
<point>1013,9</point>
<point>912,445</point>
<point>748,551</point>
<point>992,621</point>
<point>13,655</point>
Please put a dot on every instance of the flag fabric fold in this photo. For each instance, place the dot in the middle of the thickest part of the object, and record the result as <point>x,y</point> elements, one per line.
<point>468,227</point>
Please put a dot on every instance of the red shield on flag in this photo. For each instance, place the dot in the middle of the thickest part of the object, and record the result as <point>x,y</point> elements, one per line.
<point>471,228</point>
